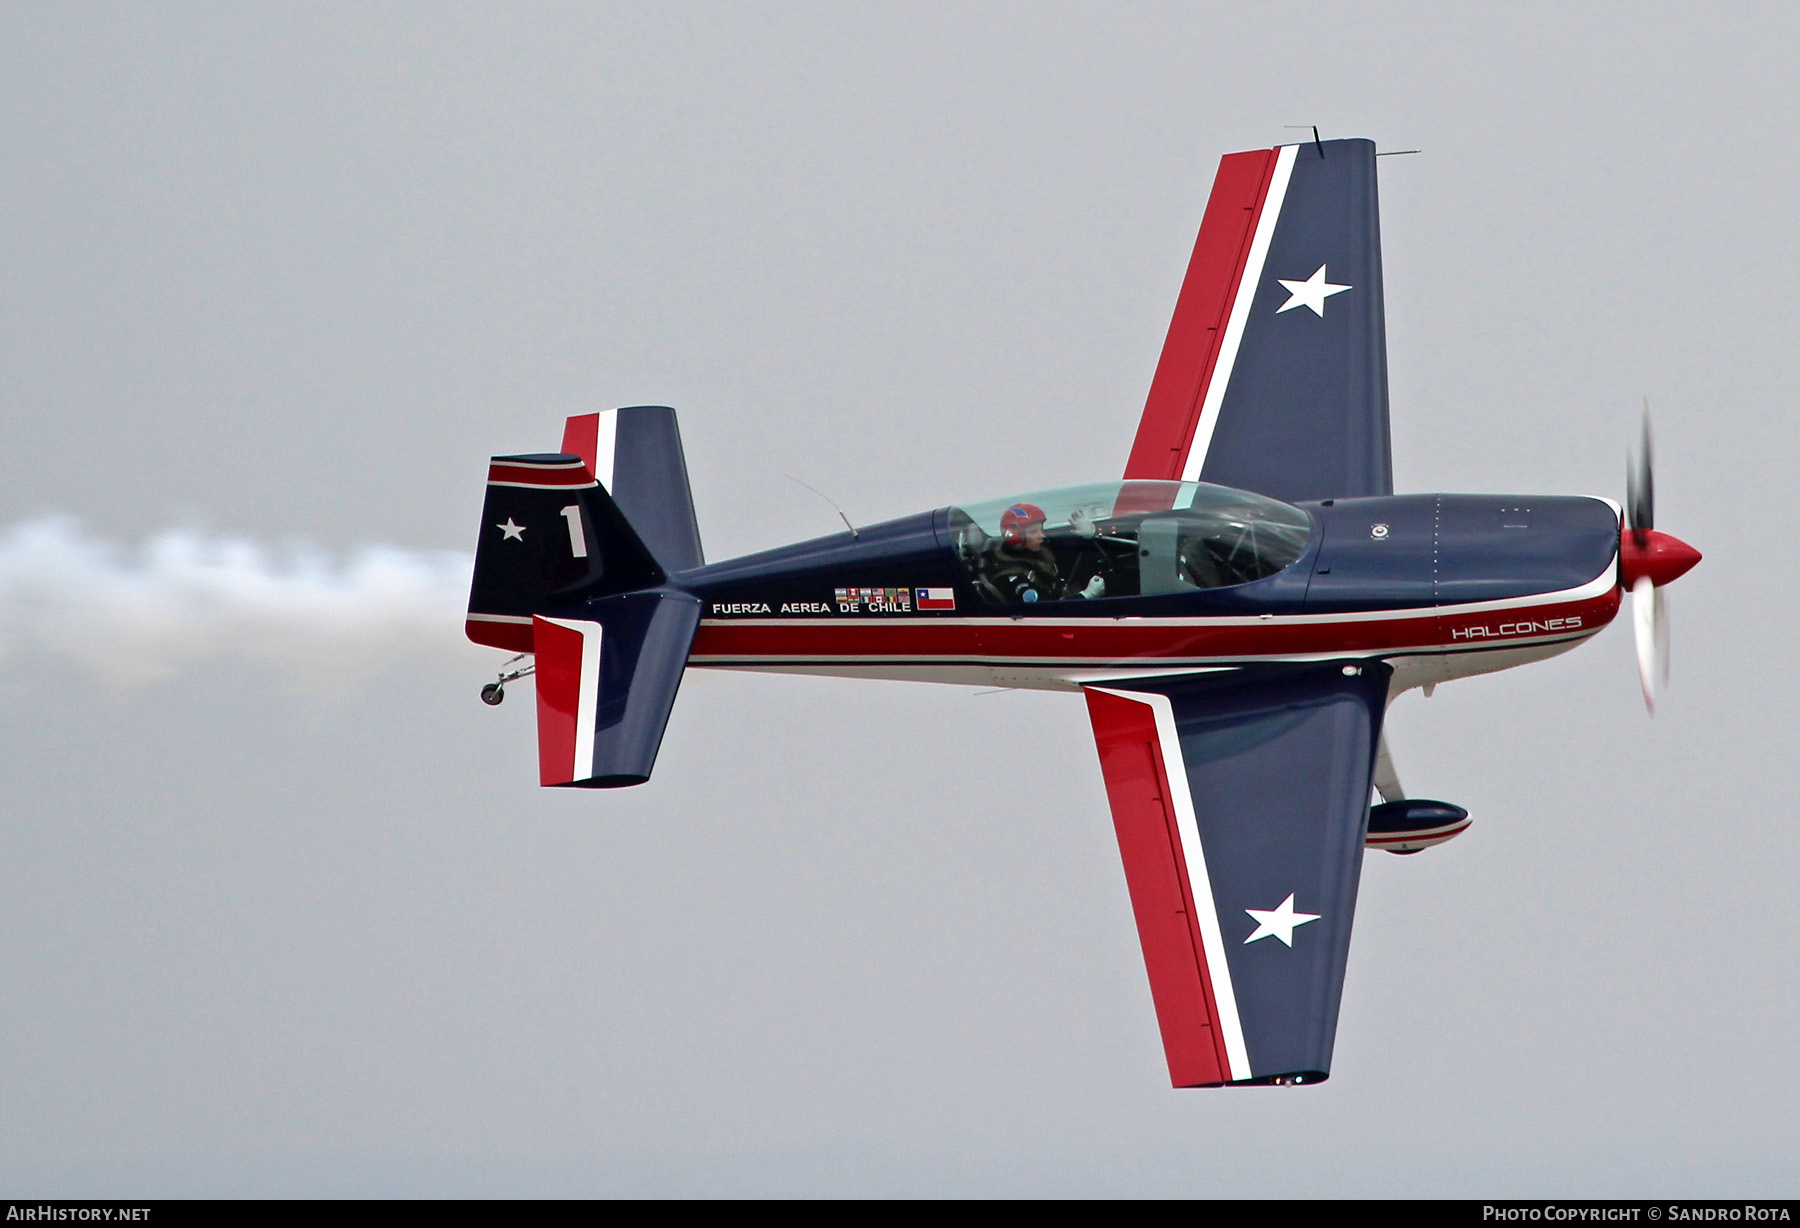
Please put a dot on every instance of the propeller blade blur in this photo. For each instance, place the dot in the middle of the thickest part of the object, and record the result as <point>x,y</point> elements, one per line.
<point>1651,633</point>
<point>1660,618</point>
<point>1640,487</point>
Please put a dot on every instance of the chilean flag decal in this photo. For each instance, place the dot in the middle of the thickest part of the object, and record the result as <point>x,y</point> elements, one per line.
<point>568,694</point>
<point>934,598</point>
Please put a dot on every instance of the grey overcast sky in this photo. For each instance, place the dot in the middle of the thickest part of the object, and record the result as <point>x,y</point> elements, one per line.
<point>292,272</point>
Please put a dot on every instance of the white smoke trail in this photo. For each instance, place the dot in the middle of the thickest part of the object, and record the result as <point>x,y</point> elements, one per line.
<point>136,616</point>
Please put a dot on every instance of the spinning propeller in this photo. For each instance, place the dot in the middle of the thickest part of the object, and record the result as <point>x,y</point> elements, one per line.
<point>1648,562</point>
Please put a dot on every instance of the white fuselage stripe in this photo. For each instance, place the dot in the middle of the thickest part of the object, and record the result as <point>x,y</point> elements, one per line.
<point>1212,940</point>
<point>606,441</point>
<point>1240,313</point>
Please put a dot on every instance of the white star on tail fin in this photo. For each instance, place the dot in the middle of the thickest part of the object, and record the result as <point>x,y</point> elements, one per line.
<point>1279,922</point>
<point>1309,293</point>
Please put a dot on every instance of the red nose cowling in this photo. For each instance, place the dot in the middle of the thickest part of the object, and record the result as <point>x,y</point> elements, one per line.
<point>1662,558</point>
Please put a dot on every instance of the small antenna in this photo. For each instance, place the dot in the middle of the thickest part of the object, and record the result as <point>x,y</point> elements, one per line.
<point>1317,143</point>
<point>1395,153</point>
<point>840,511</point>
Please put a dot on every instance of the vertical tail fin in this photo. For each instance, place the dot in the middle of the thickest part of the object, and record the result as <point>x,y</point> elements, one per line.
<point>635,453</point>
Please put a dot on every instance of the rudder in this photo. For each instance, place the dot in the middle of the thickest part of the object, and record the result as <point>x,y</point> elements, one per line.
<point>635,453</point>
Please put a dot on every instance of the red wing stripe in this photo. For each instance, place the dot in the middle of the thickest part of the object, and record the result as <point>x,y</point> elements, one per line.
<point>1200,347</point>
<point>1171,890</point>
<point>1125,734</point>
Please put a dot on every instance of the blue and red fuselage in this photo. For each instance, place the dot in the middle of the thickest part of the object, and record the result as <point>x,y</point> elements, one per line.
<point>1439,586</point>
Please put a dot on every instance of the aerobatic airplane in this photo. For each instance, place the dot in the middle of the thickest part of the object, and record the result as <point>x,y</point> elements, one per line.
<point>1238,609</point>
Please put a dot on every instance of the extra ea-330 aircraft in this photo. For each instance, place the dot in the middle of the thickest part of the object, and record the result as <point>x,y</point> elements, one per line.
<point>1238,610</point>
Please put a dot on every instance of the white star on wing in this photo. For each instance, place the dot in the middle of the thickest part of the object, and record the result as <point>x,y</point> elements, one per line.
<point>1279,922</point>
<point>511,532</point>
<point>1309,293</point>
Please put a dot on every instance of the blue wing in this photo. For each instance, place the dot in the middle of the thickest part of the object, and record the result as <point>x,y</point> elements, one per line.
<point>1274,374</point>
<point>1241,800</point>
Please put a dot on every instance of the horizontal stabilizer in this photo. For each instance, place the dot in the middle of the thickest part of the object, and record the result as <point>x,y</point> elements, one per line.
<point>605,685</point>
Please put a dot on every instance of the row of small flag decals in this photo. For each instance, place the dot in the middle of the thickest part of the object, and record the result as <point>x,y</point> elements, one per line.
<point>897,600</point>
<point>893,600</point>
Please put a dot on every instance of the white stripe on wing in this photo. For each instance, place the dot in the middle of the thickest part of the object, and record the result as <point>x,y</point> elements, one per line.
<point>1240,314</point>
<point>1212,940</point>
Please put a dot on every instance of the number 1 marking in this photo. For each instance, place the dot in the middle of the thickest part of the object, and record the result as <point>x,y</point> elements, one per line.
<point>577,539</point>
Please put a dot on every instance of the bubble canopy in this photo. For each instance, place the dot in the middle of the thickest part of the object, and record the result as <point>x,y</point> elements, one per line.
<point>1123,539</point>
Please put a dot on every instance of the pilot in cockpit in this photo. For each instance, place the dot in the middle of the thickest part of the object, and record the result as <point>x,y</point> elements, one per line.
<point>1024,566</point>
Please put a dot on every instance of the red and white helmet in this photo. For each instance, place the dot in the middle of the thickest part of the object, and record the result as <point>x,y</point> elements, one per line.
<point>1015,520</point>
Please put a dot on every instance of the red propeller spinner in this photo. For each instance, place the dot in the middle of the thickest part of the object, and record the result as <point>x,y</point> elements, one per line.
<point>1660,558</point>
<point>1648,560</point>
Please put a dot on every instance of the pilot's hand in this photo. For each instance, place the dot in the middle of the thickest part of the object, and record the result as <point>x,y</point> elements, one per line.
<point>1095,588</point>
<point>1081,526</point>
